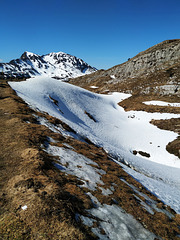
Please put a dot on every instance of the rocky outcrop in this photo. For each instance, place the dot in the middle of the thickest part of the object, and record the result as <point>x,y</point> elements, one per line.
<point>153,71</point>
<point>156,58</point>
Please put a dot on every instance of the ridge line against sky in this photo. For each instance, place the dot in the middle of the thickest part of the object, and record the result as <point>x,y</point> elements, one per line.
<point>103,33</point>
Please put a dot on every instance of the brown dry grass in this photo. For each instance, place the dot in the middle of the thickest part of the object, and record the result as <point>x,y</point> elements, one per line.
<point>135,102</point>
<point>123,195</point>
<point>28,178</point>
<point>172,124</point>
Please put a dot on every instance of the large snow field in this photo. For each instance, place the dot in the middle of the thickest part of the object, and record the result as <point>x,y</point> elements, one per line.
<point>104,122</point>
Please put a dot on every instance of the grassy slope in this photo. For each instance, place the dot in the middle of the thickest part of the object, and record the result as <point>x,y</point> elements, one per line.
<point>28,177</point>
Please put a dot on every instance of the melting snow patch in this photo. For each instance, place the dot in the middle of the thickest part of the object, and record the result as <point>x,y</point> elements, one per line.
<point>118,225</point>
<point>112,76</point>
<point>115,223</point>
<point>149,203</point>
<point>24,207</point>
<point>78,165</point>
<point>50,139</point>
<point>167,194</point>
<point>161,103</point>
<point>58,128</point>
<point>87,221</point>
<point>68,146</point>
<point>106,192</point>
<point>93,87</point>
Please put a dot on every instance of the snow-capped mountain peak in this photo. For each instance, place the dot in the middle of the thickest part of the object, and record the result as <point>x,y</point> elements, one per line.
<point>28,55</point>
<point>58,65</point>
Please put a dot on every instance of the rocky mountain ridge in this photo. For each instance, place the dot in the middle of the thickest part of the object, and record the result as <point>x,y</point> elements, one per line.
<point>58,65</point>
<point>155,70</point>
<point>158,57</point>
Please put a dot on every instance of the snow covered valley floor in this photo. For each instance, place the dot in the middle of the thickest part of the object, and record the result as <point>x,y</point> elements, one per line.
<point>115,200</point>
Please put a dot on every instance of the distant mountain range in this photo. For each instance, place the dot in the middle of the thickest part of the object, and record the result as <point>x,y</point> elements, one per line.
<point>58,65</point>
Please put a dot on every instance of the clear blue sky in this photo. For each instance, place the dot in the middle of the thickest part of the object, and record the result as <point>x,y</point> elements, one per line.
<point>104,33</point>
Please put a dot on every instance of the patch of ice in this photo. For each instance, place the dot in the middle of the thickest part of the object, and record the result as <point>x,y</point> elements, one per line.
<point>106,192</point>
<point>78,165</point>
<point>112,188</point>
<point>94,200</point>
<point>145,206</point>
<point>50,139</point>
<point>117,224</point>
<point>87,221</point>
<point>68,146</point>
